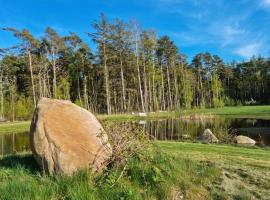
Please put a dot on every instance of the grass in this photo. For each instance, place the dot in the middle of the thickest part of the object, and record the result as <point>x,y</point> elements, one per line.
<point>245,171</point>
<point>259,112</point>
<point>14,127</point>
<point>236,111</point>
<point>168,171</point>
<point>262,112</point>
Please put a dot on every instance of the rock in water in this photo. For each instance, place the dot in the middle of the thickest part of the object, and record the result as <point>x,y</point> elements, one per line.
<point>66,138</point>
<point>208,136</point>
<point>244,140</point>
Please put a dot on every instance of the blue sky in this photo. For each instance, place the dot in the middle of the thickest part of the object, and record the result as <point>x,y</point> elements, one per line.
<point>233,29</point>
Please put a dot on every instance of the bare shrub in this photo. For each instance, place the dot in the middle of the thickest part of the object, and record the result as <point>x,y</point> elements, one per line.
<point>225,135</point>
<point>127,140</point>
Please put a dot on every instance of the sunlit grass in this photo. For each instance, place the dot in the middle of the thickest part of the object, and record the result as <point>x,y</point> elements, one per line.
<point>155,175</point>
<point>14,127</point>
<point>170,170</point>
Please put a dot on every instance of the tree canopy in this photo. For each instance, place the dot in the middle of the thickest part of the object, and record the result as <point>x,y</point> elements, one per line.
<point>132,70</point>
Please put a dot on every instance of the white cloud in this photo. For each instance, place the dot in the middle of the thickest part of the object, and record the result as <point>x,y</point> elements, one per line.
<point>232,31</point>
<point>249,50</point>
<point>228,33</point>
<point>231,34</point>
<point>266,2</point>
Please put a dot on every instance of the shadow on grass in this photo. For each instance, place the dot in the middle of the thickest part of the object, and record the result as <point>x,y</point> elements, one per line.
<point>26,162</point>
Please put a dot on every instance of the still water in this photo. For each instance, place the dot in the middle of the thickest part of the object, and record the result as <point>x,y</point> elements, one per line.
<point>169,129</point>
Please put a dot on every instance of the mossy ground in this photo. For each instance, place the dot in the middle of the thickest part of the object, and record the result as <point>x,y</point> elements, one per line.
<point>169,170</point>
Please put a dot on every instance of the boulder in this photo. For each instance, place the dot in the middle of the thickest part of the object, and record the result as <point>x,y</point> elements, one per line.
<point>244,140</point>
<point>208,136</point>
<point>65,138</point>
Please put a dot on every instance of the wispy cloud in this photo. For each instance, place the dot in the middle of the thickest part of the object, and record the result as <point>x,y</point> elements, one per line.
<point>249,50</point>
<point>266,2</point>
<point>219,26</point>
<point>227,34</point>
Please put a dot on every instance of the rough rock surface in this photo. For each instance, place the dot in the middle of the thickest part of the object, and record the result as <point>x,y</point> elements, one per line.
<point>208,136</point>
<point>244,140</point>
<point>66,138</point>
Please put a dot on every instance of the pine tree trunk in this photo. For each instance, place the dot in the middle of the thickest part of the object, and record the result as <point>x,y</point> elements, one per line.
<point>150,96</point>
<point>138,72</point>
<point>32,77</point>
<point>153,89</point>
<point>85,96</point>
<point>40,85</point>
<point>176,98</point>
<point>107,87</point>
<point>145,86</point>
<point>2,97</point>
<point>54,75</point>
<point>123,86</point>
<point>163,104</point>
<point>169,86</point>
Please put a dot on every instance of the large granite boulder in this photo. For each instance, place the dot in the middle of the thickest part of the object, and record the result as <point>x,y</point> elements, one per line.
<point>208,137</point>
<point>66,138</point>
<point>244,140</point>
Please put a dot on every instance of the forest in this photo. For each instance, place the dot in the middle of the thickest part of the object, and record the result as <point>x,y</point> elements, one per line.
<point>129,70</point>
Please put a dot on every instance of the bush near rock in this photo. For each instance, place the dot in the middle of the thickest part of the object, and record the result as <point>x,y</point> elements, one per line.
<point>244,140</point>
<point>65,138</point>
<point>208,136</point>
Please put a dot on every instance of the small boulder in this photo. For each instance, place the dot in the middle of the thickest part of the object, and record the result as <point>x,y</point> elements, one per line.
<point>244,140</point>
<point>65,138</point>
<point>208,136</point>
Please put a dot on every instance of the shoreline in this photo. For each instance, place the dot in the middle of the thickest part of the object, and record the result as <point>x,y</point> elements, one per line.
<point>252,112</point>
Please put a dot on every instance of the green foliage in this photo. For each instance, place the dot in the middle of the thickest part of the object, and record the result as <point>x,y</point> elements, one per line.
<point>22,108</point>
<point>78,102</point>
<point>63,88</point>
<point>217,91</point>
<point>118,78</point>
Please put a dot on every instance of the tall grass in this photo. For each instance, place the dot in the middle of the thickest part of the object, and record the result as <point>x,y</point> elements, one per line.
<point>167,170</point>
<point>154,175</point>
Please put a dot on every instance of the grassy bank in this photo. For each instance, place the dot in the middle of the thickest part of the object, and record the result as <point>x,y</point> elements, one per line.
<point>262,112</point>
<point>235,111</point>
<point>14,127</point>
<point>175,171</point>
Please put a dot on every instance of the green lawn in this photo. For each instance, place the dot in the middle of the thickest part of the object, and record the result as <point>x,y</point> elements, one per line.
<point>169,170</point>
<point>262,112</point>
<point>245,171</point>
<point>236,111</point>
<point>14,127</point>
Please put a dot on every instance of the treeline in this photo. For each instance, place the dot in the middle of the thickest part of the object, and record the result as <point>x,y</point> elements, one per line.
<point>131,70</point>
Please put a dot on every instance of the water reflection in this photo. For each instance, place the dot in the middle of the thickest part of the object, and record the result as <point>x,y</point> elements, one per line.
<point>179,129</point>
<point>170,129</point>
<point>13,142</point>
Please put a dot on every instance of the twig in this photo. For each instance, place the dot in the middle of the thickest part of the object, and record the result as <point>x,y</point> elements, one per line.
<point>122,173</point>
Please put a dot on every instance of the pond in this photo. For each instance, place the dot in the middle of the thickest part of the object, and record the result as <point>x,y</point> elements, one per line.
<point>179,129</point>
<point>170,129</point>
